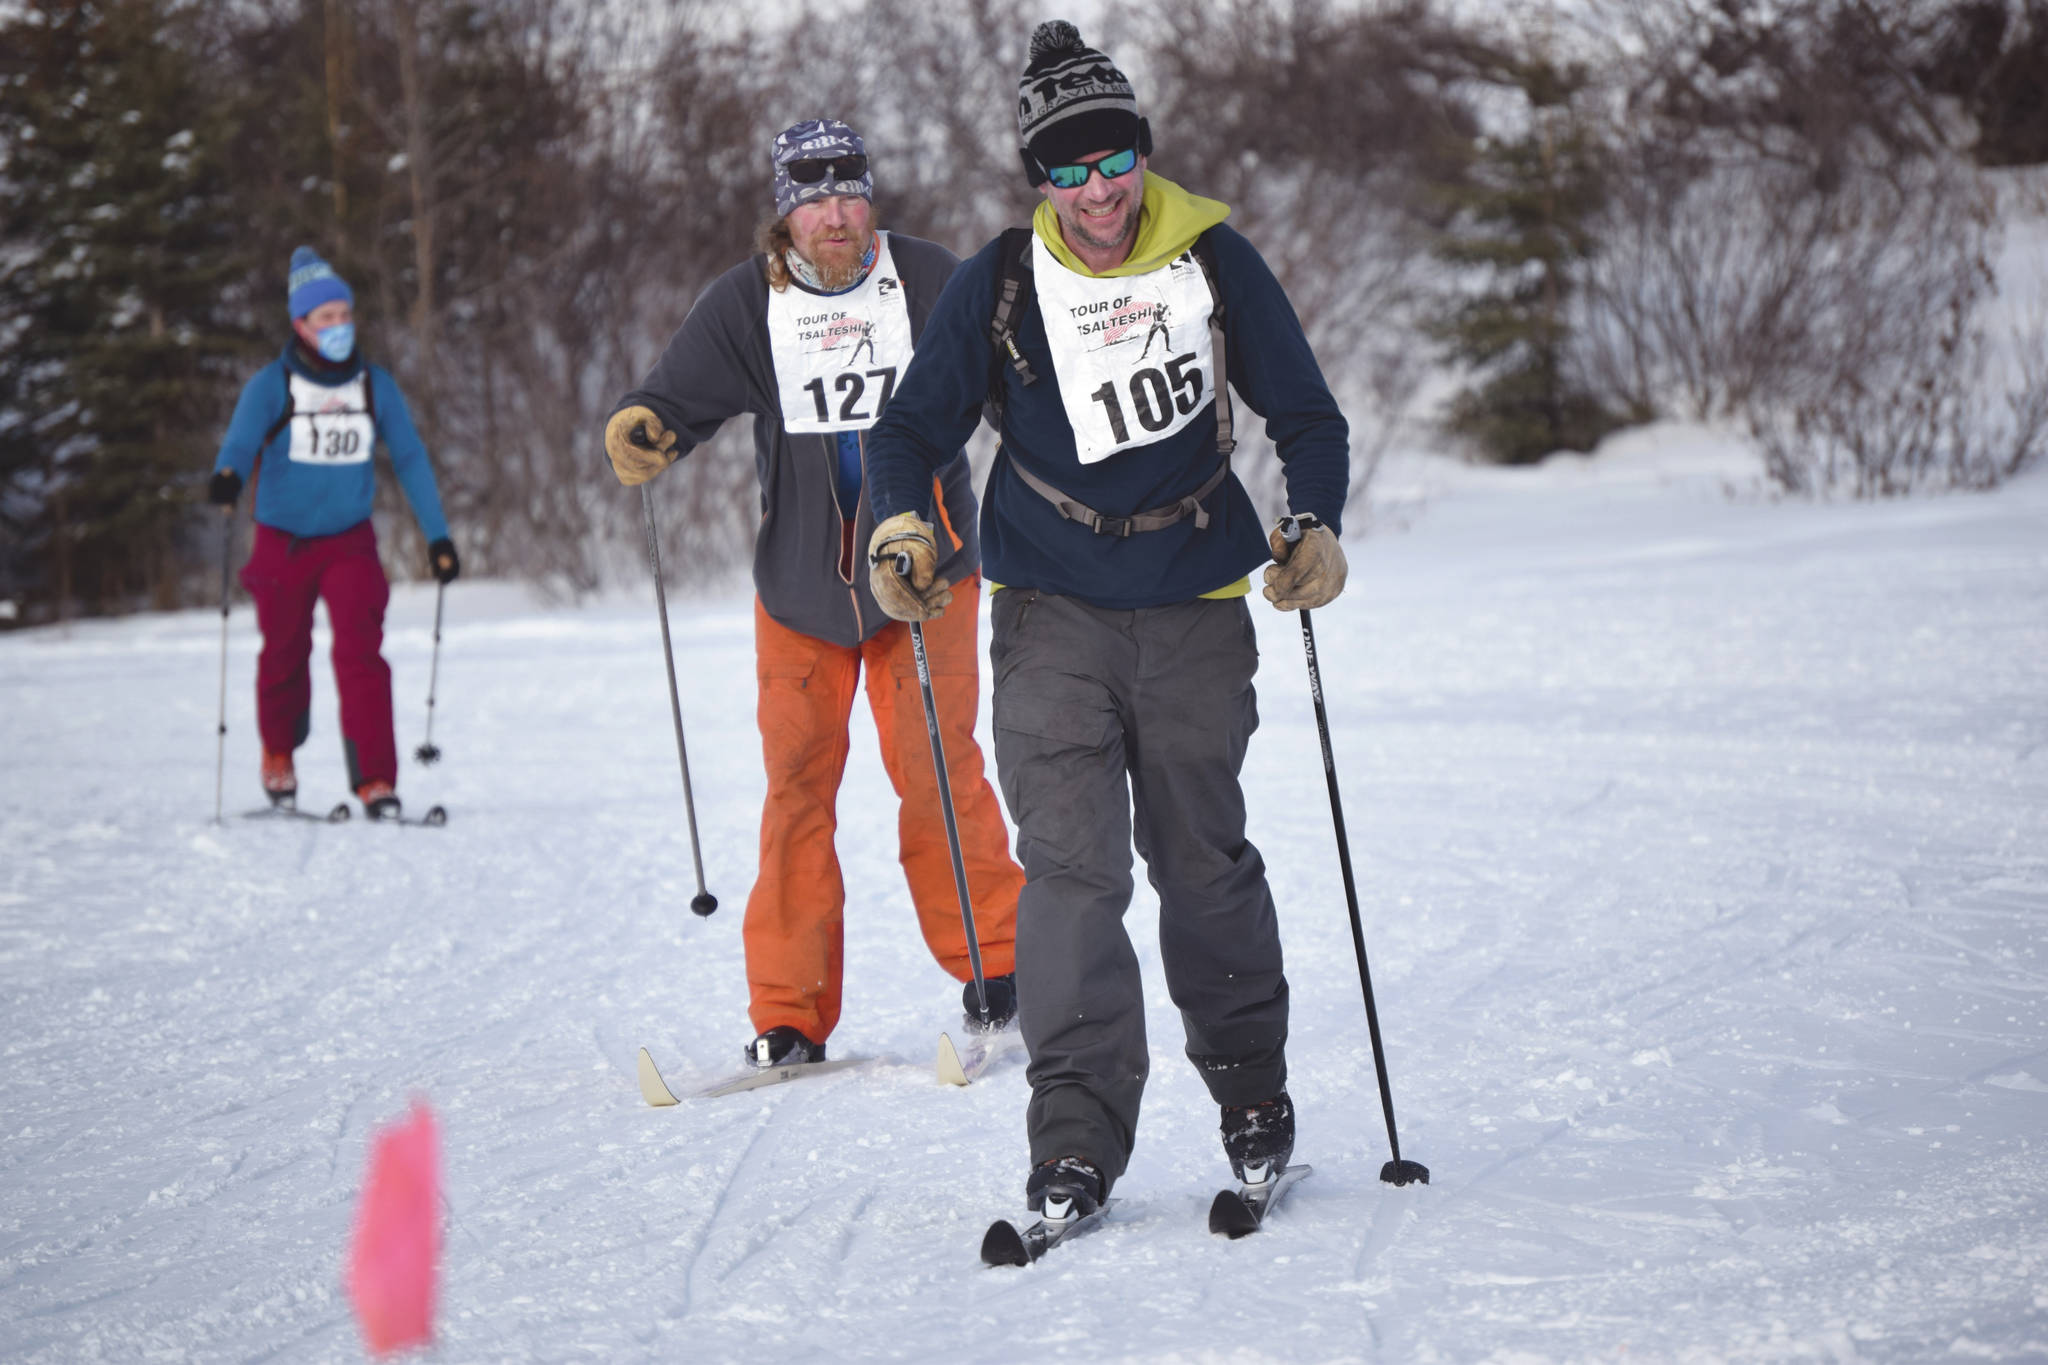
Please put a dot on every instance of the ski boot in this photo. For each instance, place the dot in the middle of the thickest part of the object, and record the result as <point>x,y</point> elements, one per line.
<point>1002,1003</point>
<point>380,800</point>
<point>1065,1187</point>
<point>280,783</point>
<point>1258,1138</point>
<point>781,1046</point>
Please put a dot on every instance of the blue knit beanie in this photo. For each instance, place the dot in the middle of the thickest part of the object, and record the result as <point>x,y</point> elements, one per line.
<point>313,282</point>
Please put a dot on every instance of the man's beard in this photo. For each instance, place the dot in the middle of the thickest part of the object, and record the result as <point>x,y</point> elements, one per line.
<point>1085,233</point>
<point>838,267</point>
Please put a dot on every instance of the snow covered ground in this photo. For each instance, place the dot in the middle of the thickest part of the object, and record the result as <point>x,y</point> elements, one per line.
<point>1704,853</point>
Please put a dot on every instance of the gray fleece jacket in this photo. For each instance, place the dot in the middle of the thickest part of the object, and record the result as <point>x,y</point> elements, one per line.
<point>810,566</point>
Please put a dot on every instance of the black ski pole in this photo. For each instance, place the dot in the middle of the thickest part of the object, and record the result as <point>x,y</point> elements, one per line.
<point>220,758</point>
<point>931,730</point>
<point>703,902</point>
<point>1397,1171</point>
<point>429,753</point>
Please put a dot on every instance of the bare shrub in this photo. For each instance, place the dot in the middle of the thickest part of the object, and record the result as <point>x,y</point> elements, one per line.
<point>1791,244</point>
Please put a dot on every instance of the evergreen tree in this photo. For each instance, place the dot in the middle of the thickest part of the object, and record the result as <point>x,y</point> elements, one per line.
<point>114,251</point>
<point>1520,219</point>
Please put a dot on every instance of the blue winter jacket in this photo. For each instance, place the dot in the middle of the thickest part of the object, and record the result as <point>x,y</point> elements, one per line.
<point>304,499</point>
<point>1024,540</point>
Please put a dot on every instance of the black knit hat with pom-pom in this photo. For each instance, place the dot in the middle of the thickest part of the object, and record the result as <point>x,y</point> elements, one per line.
<point>1073,101</point>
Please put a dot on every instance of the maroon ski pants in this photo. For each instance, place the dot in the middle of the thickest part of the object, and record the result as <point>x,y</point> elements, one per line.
<point>285,575</point>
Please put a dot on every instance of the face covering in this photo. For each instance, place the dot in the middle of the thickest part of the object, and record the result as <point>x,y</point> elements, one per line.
<point>336,342</point>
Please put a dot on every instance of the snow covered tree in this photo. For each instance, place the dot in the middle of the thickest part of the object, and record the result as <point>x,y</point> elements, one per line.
<point>114,252</point>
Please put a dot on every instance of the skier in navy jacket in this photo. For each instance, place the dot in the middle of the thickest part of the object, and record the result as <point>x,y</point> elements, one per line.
<point>303,432</point>
<point>1122,646</point>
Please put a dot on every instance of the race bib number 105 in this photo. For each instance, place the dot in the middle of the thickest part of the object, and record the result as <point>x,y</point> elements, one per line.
<point>1134,354</point>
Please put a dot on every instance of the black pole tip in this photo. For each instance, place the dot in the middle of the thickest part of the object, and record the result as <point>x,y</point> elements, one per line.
<point>428,754</point>
<point>1405,1173</point>
<point>704,903</point>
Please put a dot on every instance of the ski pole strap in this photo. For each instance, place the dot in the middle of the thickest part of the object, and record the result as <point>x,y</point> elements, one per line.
<point>1102,524</point>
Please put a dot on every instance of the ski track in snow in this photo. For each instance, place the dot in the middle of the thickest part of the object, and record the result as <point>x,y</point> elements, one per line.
<point>1703,847</point>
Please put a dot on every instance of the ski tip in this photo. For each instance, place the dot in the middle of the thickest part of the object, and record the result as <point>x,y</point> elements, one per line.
<point>948,1066</point>
<point>1230,1216</point>
<point>1004,1245</point>
<point>340,815</point>
<point>1405,1173</point>
<point>652,1088</point>
<point>437,815</point>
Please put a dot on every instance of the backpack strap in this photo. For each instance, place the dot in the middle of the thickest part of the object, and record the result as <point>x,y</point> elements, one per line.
<point>1205,256</point>
<point>284,419</point>
<point>1010,299</point>
<point>1012,293</point>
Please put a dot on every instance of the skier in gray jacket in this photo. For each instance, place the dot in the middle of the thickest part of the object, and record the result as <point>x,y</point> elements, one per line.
<point>810,337</point>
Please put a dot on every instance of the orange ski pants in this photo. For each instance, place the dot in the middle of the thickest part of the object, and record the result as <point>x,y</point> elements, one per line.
<point>795,915</point>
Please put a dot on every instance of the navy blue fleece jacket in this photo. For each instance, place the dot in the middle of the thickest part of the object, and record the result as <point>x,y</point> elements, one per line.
<point>1025,542</point>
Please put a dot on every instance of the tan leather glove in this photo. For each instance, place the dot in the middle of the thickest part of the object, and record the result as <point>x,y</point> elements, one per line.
<point>639,445</point>
<point>919,595</point>
<point>1308,573</point>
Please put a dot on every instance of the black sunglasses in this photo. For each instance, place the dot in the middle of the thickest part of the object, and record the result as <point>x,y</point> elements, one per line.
<point>811,170</point>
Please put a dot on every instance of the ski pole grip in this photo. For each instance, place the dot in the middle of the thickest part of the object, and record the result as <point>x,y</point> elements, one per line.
<point>1290,530</point>
<point>903,563</point>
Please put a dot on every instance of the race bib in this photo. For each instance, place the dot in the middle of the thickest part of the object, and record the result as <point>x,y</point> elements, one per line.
<point>837,358</point>
<point>1133,354</point>
<point>331,424</point>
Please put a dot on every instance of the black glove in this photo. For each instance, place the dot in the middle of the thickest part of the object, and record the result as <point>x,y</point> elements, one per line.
<point>442,560</point>
<point>224,488</point>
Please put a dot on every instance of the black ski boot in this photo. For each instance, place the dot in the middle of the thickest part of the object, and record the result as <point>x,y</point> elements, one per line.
<point>1002,1003</point>
<point>782,1045</point>
<point>1259,1138</point>
<point>1065,1187</point>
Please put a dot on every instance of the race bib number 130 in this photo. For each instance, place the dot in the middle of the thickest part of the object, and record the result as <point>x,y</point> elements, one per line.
<point>331,425</point>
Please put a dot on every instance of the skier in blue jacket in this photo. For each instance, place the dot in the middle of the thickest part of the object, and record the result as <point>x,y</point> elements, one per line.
<point>1121,643</point>
<point>303,433</point>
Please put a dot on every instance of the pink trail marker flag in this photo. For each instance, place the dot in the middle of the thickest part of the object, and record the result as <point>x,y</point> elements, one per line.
<point>394,1257</point>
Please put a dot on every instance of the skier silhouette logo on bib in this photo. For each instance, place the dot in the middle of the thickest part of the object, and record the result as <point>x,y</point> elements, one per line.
<point>1159,330</point>
<point>866,342</point>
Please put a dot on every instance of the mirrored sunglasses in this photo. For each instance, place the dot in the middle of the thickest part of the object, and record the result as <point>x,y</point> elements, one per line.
<point>813,169</point>
<point>1075,176</point>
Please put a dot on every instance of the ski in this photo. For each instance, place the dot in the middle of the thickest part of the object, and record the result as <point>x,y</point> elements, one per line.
<point>338,816</point>
<point>435,817</point>
<point>955,1067</point>
<point>1239,1212</point>
<point>1003,1244</point>
<point>656,1091</point>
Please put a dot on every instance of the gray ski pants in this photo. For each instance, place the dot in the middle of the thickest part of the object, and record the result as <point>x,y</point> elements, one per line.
<point>1113,727</point>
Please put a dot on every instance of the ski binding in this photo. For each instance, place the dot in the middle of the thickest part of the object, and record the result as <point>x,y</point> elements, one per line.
<point>1239,1212</point>
<point>1005,1245</point>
